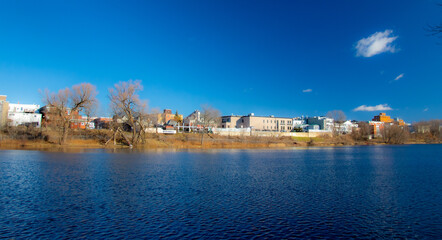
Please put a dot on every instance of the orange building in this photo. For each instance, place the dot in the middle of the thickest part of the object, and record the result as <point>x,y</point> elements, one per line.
<point>382,117</point>
<point>77,121</point>
<point>378,122</point>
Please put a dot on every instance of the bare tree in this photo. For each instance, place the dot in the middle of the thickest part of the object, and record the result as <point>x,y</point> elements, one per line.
<point>362,132</point>
<point>63,105</point>
<point>428,130</point>
<point>339,118</point>
<point>394,134</point>
<point>210,117</point>
<point>128,108</point>
<point>435,30</point>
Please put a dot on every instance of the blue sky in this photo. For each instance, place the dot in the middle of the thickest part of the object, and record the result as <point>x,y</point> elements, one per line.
<point>282,58</point>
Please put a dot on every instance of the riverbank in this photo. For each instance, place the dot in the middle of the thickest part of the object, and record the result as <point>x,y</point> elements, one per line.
<point>193,141</point>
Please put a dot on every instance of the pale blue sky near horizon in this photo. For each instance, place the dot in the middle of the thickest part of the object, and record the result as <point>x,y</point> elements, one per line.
<point>282,58</point>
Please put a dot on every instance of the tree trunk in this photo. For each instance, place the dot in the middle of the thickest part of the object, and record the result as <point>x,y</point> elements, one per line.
<point>64,135</point>
<point>202,137</point>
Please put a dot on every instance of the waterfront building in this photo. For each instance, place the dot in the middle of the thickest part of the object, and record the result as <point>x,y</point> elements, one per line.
<point>258,123</point>
<point>24,114</point>
<point>382,117</point>
<point>324,123</point>
<point>379,121</point>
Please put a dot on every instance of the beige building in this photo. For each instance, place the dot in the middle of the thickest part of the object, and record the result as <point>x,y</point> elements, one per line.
<point>258,123</point>
<point>4,108</point>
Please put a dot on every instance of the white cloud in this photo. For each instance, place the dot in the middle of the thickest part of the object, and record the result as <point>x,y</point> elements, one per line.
<point>426,109</point>
<point>377,43</point>
<point>380,107</point>
<point>307,90</point>
<point>399,77</point>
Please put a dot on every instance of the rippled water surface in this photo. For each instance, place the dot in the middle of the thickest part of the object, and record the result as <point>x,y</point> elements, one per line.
<point>364,192</point>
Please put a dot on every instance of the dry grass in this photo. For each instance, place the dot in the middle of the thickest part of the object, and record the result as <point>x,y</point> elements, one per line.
<point>85,139</point>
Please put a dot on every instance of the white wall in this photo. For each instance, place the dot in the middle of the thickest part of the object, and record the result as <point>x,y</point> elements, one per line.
<point>29,108</point>
<point>21,118</point>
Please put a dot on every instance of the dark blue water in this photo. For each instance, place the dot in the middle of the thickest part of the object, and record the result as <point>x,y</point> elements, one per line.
<point>363,192</point>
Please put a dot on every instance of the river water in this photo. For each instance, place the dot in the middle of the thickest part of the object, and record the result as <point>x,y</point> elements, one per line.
<point>344,192</point>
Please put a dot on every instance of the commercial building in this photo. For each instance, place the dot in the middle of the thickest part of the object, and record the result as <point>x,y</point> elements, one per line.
<point>324,123</point>
<point>81,122</point>
<point>24,115</point>
<point>382,117</point>
<point>167,115</point>
<point>379,121</point>
<point>258,123</point>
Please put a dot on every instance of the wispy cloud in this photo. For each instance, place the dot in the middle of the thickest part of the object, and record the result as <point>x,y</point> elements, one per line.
<point>307,90</point>
<point>426,109</point>
<point>399,77</point>
<point>380,107</point>
<point>377,43</point>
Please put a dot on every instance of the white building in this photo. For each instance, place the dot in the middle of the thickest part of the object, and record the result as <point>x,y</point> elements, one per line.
<point>24,114</point>
<point>324,123</point>
<point>348,126</point>
<point>193,119</point>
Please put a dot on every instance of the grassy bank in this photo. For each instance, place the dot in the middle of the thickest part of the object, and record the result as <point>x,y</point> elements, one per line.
<point>90,139</point>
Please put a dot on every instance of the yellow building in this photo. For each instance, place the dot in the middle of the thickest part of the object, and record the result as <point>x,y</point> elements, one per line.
<point>378,122</point>
<point>163,118</point>
<point>382,117</point>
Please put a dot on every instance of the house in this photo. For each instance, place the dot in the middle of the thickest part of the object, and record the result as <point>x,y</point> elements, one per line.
<point>193,119</point>
<point>347,126</point>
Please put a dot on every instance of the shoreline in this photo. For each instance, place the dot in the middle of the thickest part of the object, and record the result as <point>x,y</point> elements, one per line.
<point>80,146</point>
